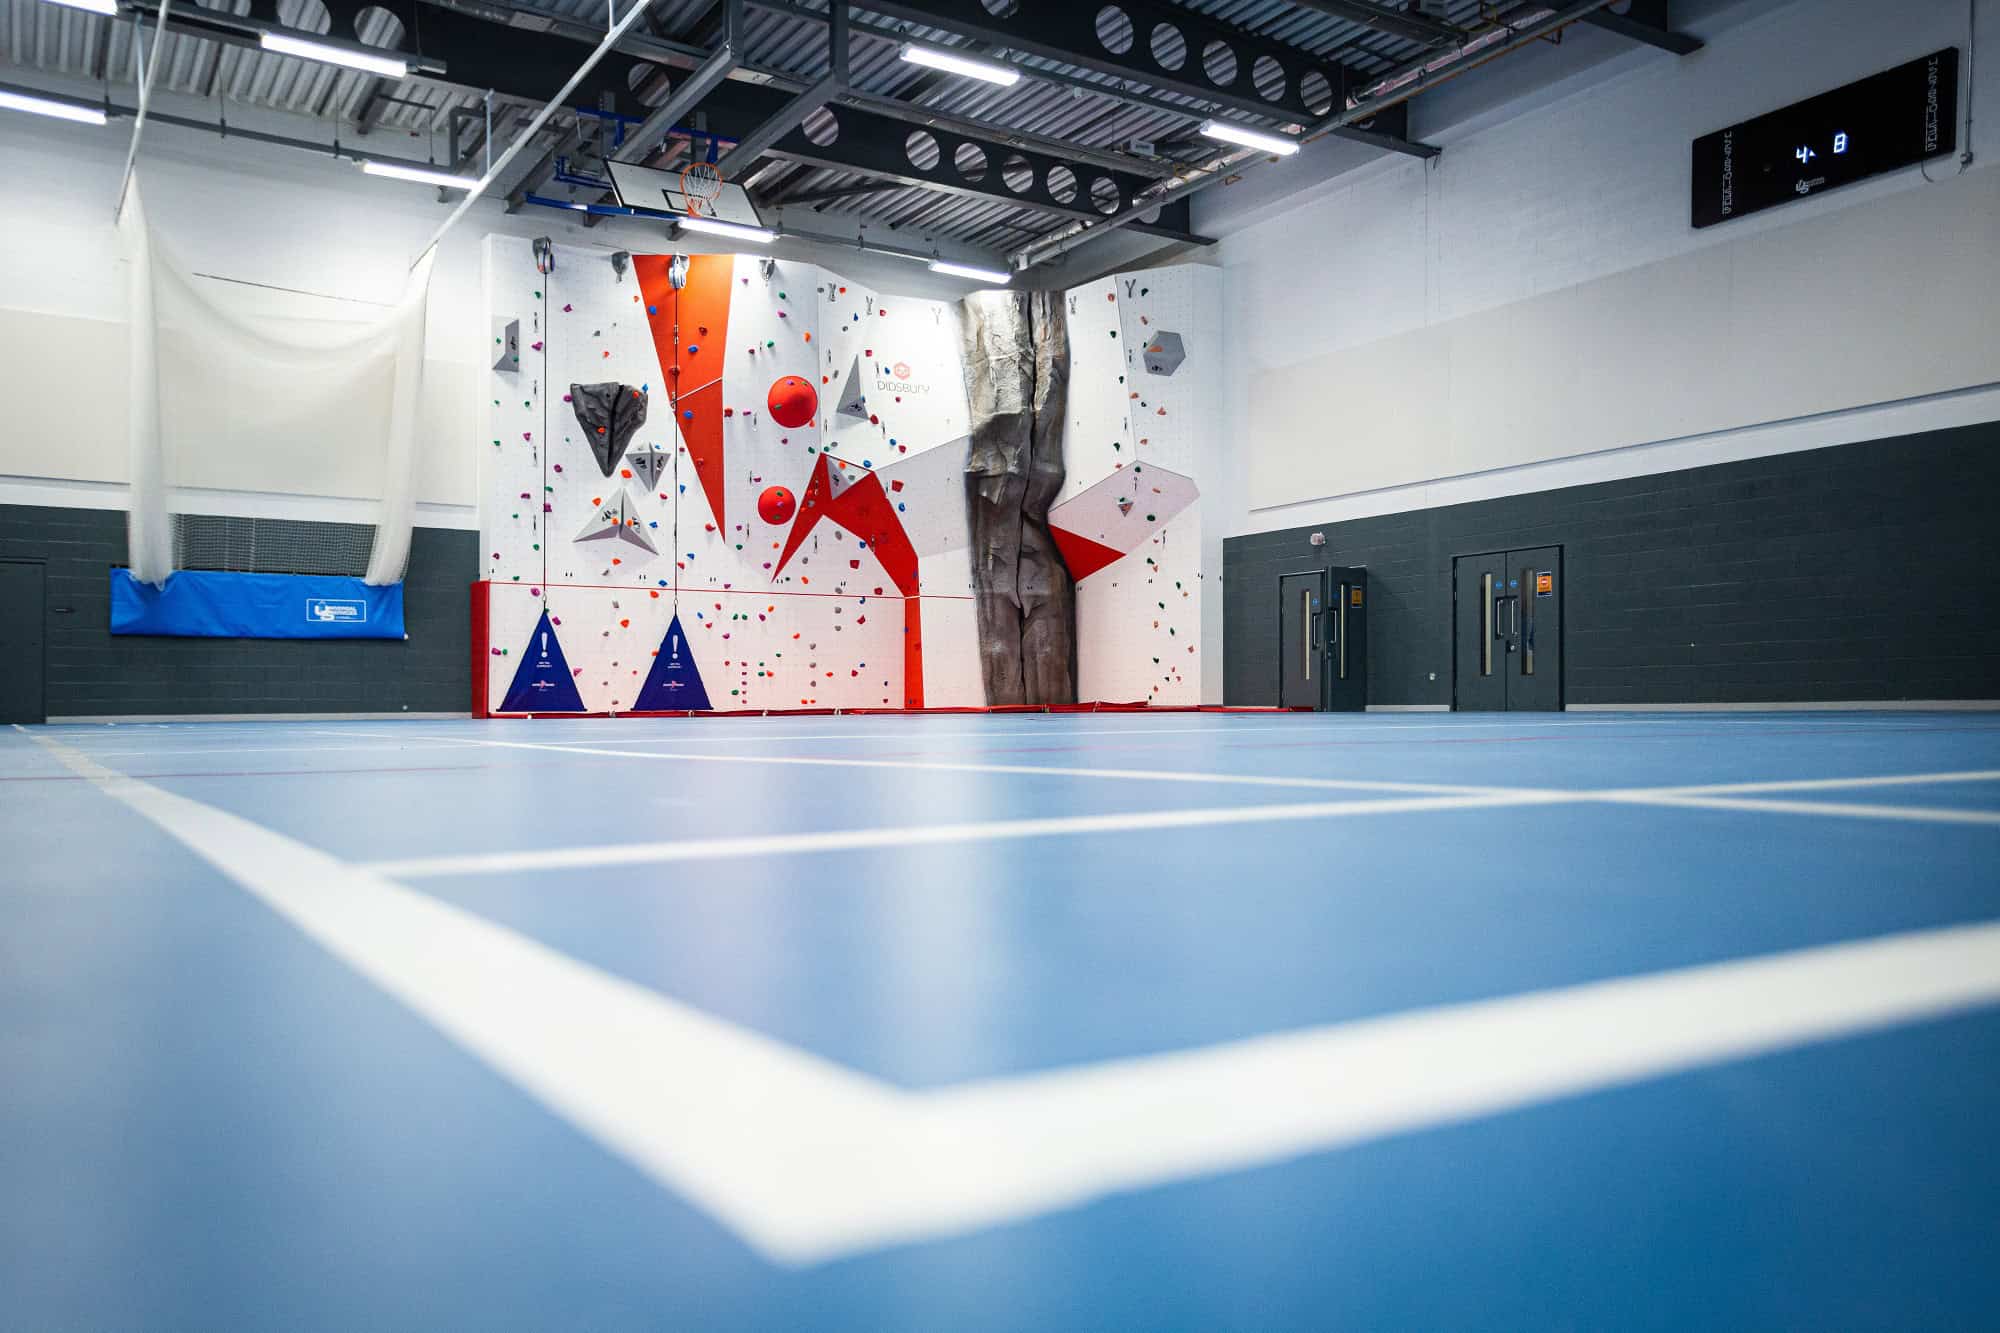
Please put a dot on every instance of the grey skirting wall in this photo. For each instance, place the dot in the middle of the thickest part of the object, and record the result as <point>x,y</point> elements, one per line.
<point>1856,572</point>
<point>92,673</point>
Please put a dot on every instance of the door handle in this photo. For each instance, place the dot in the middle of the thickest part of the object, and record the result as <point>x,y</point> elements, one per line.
<point>1485,624</point>
<point>1528,630</point>
<point>1340,621</point>
<point>1311,640</point>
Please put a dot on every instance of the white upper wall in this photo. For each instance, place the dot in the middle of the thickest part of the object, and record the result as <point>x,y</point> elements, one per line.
<point>267,224</point>
<point>1413,321</point>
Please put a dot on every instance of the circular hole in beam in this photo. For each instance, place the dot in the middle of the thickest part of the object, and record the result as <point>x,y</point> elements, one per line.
<point>922,150</point>
<point>1268,77</point>
<point>820,126</point>
<point>1114,30</point>
<point>970,159</point>
<point>1316,92</point>
<point>1218,61</point>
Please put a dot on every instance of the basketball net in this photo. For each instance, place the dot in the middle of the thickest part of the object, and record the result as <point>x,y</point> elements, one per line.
<point>702,184</point>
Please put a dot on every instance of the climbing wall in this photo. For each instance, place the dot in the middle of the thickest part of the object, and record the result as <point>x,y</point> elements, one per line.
<point>786,455</point>
<point>783,492</point>
<point>1144,375</point>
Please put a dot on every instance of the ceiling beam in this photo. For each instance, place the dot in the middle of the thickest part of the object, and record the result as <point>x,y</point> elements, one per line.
<point>1053,247</point>
<point>1646,21</point>
<point>524,66</point>
<point>1406,24</point>
<point>1221,65</point>
<point>751,145</point>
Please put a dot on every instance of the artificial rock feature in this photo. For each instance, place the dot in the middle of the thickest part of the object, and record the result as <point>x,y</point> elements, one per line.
<point>1017,387</point>
<point>610,414</point>
<point>1164,353</point>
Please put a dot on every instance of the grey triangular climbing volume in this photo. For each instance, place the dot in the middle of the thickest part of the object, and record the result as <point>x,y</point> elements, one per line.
<point>609,414</point>
<point>854,393</point>
<point>617,518</point>
<point>650,462</point>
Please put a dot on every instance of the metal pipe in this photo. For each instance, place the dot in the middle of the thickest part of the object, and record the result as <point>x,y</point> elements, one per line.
<point>145,102</point>
<point>786,234</point>
<point>1062,244</point>
<point>1408,25</point>
<point>485,182</point>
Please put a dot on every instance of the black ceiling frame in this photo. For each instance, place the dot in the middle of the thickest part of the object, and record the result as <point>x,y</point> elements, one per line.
<point>877,146</point>
<point>1065,31</point>
<point>1646,21</point>
<point>528,66</point>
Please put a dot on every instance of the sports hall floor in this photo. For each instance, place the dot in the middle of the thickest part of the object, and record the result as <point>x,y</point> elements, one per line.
<point>1027,1022</point>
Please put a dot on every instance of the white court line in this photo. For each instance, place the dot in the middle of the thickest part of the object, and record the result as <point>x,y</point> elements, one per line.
<point>225,751</point>
<point>1827,784</point>
<point>1914,814</point>
<point>1033,770</point>
<point>808,1161</point>
<point>743,729</point>
<point>926,835</point>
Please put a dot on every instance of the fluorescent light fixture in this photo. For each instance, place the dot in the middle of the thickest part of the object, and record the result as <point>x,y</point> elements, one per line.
<point>403,171</point>
<point>389,67</point>
<point>60,108</point>
<point>1230,132</point>
<point>109,8</point>
<point>735,231</point>
<point>998,277</point>
<point>953,63</point>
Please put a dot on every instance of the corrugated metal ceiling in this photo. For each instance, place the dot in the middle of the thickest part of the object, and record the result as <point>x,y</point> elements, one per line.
<point>1066,104</point>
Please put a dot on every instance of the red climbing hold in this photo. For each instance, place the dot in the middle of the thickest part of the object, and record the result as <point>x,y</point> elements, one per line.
<point>793,401</point>
<point>776,505</point>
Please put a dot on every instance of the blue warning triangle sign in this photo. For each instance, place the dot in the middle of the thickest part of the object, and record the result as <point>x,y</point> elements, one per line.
<point>674,682</point>
<point>542,683</point>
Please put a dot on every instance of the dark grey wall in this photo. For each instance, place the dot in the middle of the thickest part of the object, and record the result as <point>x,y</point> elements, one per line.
<point>93,673</point>
<point>1863,571</point>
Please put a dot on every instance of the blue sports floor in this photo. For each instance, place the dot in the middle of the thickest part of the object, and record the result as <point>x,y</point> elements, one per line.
<point>1012,1022</point>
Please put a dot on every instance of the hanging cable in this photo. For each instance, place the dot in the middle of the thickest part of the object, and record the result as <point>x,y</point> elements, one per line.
<point>677,269</point>
<point>545,264</point>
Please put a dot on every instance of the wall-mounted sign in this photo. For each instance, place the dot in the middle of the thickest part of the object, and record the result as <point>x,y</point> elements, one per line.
<point>1545,583</point>
<point>1887,120</point>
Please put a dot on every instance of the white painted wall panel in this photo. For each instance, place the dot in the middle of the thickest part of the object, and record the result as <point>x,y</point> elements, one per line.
<point>1542,277</point>
<point>1891,299</point>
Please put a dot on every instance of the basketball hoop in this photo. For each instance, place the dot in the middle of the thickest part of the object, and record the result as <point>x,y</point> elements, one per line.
<point>702,184</point>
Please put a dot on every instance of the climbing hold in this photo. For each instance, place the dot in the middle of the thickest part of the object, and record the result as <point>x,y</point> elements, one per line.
<point>793,401</point>
<point>776,505</point>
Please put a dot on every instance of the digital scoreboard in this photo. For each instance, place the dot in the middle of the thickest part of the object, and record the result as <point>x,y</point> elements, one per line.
<point>1879,123</point>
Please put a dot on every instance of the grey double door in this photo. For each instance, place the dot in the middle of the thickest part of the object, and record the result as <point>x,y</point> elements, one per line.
<point>1507,631</point>
<point>1323,639</point>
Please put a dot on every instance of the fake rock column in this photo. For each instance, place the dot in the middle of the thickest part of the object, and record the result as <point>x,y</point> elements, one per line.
<point>1016,379</point>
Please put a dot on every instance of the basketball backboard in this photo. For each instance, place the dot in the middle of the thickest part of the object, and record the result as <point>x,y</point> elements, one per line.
<point>660,191</point>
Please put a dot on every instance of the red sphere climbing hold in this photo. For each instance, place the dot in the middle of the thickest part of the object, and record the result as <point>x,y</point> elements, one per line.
<point>776,504</point>
<point>793,401</point>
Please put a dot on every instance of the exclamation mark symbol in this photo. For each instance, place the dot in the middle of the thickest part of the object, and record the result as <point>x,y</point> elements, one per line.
<point>675,640</point>
<point>545,645</point>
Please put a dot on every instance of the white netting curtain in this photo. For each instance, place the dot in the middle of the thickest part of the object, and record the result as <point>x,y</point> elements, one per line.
<point>271,401</point>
